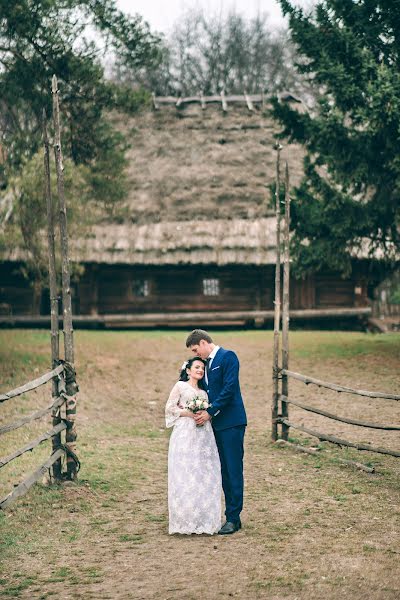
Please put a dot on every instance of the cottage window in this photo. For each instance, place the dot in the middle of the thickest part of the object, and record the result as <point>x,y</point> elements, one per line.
<point>211,287</point>
<point>140,287</point>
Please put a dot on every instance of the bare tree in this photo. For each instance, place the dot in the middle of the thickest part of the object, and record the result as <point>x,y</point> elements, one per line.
<point>210,53</point>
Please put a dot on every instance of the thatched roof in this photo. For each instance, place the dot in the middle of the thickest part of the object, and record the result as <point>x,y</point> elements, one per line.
<point>198,191</point>
<point>188,163</point>
<point>222,242</point>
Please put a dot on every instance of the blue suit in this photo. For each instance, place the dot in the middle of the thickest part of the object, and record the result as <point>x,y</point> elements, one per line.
<point>229,423</point>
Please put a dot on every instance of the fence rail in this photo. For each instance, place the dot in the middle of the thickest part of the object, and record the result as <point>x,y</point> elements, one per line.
<point>334,440</point>
<point>31,445</point>
<point>338,388</point>
<point>24,486</point>
<point>248,99</point>
<point>32,385</point>
<point>34,416</point>
<point>284,420</point>
<point>329,415</point>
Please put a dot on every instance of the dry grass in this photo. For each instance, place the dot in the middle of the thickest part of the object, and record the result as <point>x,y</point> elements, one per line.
<point>313,528</point>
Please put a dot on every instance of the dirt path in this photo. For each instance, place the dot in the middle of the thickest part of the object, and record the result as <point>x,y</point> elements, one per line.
<point>313,529</point>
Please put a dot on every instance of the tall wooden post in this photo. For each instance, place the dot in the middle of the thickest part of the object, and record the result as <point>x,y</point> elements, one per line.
<point>66,285</point>
<point>285,307</point>
<point>277,301</point>
<point>55,343</point>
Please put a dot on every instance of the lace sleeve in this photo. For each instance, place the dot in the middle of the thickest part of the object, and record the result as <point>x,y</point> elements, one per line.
<point>172,410</point>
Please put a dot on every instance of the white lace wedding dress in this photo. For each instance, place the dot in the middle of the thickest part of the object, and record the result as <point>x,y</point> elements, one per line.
<point>194,470</point>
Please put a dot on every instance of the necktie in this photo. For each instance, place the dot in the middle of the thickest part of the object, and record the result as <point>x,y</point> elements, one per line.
<point>207,367</point>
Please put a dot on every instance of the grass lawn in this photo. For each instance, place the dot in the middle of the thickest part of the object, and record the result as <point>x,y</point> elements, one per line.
<point>313,527</point>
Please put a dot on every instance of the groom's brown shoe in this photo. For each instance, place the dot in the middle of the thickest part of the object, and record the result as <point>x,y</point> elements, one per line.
<point>230,527</point>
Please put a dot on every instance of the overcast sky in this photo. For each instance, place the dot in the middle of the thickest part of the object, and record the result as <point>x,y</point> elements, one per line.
<point>161,14</point>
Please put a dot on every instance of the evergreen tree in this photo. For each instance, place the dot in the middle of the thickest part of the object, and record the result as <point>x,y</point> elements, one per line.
<point>348,201</point>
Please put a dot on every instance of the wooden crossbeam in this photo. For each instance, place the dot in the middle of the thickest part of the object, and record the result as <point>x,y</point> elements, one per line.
<point>329,415</point>
<point>334,440</point>
<point>315,451</point>
<point>24,486</point>
<point>234,98</point>
<point>338,388</point>
<point>45,436</point>
<point>33,417</point>
<point>31,385</point>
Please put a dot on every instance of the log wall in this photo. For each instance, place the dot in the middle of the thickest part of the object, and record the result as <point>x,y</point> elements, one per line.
<point>16,294</point>
<point>113,289</point>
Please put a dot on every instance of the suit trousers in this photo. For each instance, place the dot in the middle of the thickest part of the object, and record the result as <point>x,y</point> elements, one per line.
<point>230,448</point>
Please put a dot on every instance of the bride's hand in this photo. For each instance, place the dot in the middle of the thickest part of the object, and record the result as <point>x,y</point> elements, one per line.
<point>201,417</point>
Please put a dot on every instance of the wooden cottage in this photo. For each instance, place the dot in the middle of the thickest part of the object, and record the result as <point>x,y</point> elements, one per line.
<point>196,245</point>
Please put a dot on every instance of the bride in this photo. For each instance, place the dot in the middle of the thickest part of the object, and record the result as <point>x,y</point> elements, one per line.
<point>194,470</point>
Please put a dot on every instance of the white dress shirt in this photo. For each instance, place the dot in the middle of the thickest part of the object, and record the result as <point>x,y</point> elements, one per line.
<point>210,359</point>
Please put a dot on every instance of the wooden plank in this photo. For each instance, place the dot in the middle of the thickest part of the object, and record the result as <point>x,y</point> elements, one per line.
<point>357,465</point>
<point>277,302</point>
<point>32,385</point>
<point>34,416</point>
<point>24,486</point>
<point>224,102</point>
<point>377,325</point>
<point>167,316</point>
<point>319,313</point>
<point>249,102</point>
<point>55,339</point>
<point>329,415</point>
<point>339,388</point>
<point>165,99</point>
<point>350,463</point>
<point>297,447</point>
<point>55,347</point>
<point>45,436</point>
<point>62,213</point>
<point>70,435</point>
<point>285,301</point>
<point>334,440</point>
<point>253,98</point>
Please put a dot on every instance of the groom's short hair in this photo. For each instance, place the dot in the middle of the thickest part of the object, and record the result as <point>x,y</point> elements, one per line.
<point>196,336</point>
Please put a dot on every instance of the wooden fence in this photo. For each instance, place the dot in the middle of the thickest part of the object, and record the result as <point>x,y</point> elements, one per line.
<point>62,375</point>
<point>282,374</point>
<point>59,377</point>
<point>250,100</point>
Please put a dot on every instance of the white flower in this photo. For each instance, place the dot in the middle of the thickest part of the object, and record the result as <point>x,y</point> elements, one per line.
<point>184,365</point>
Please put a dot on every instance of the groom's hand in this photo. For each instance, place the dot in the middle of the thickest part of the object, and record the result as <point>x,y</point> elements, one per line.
<point>201,417</point>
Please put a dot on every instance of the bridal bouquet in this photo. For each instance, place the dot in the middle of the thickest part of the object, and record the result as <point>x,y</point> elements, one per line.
<point>196,404</point>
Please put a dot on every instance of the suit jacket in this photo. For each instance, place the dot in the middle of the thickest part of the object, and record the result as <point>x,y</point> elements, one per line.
<point>224,392</point>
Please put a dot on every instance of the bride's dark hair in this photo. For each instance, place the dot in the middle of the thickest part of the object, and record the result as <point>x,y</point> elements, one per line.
<point>186,365</point>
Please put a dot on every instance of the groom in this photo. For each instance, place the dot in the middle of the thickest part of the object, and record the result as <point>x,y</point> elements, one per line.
<point>228,419</point>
